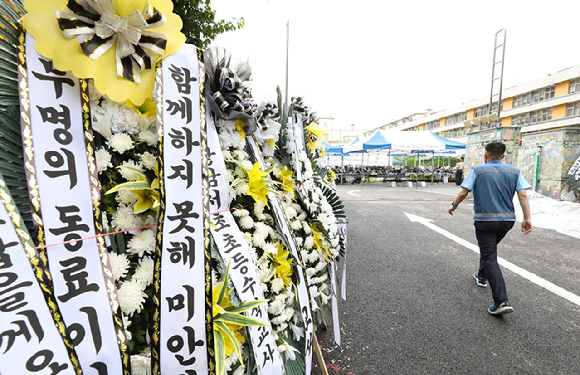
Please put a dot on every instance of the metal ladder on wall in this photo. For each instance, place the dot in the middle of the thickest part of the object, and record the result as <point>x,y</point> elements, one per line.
<point>497,74</point>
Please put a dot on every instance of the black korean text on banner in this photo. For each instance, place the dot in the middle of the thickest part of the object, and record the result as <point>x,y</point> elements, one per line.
<point>180,332</point>
<point>235,252</point>
<point>56,156</point>
<point>289,241</point>
<point>334,301</point>
<point>341,224</point>
<point>31,335</point>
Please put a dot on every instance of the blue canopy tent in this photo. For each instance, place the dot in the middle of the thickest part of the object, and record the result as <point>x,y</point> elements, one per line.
<point>407,142</point>
<point>330,149</point>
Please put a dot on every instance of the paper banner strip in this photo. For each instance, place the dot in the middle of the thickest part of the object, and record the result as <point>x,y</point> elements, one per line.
<point>54,132</point>
<point>32,336</point>
<point>289,241</point>
<point>341,224</point>
<point>181,339</point>
<point>235,251</point>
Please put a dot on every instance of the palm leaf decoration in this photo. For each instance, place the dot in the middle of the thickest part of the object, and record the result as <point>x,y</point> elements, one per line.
<point>11,157</point>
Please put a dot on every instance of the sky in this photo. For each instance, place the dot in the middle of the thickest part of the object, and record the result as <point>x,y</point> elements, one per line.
<point>368,62</point>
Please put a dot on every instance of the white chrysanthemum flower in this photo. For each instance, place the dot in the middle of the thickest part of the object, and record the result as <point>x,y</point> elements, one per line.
<point>124,218</point>
<point>299,241</point>
<point>259,208</point>
<point>131,297</point>
<point>128,174</point>
<point>149,137</point>
<point>241,370</point>
<point>247,164</point>
<point>258,239</point>
<point>140,365</point>
<point>141,243</point>
<point>144,273</point>
<point>262,228</point>
<point>241,212</point>
<point>125,197</point>
<point>334,242</point>
<point>275,307</point>
<point>248,237</point>
<point>103,159</point>
<point>121,142</point>
<point>148,160</point>
<point>119,265</point>
<point>268,149</point>
<point>270,248</point>
<point>246,222</point>
<point>296,225</point>
<point>241,188</point>
<point>306,228</point>
<point>277,285</point>
<point>309,242</point>
<point>126,324</point>
<point>240,156</point>
<point>290,212</point>
<point>125,119</point>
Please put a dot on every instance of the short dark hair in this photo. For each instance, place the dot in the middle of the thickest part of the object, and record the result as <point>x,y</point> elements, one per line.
<point>495,149</point>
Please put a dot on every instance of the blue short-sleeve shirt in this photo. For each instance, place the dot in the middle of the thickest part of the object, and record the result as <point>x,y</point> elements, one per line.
<point>493,185</point>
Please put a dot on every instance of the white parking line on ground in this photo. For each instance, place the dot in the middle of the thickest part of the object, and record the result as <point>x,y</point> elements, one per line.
<point>504,263</point>
<point>438,192</point>
<point>352,193</point>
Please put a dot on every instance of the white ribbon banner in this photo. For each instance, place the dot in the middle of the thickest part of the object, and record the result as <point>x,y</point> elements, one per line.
<point>334,301</point>
<point>29,340</point>
<point>303,295</point>
<point>235,252</point>
<point>67,212</point>
<point>341,224</point>
<point>183,343</point>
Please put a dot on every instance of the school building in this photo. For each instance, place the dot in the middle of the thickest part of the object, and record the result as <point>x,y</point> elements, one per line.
<point>539,121</point>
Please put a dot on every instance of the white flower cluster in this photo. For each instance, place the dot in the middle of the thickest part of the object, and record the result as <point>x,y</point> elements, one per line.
<point>257,227</point>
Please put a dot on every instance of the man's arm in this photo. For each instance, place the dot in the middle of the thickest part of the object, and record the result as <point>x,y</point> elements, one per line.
<point>460,197</point>
<point>525,203</point>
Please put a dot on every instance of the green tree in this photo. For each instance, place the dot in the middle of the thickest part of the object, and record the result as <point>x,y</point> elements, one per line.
<point>200,26</point>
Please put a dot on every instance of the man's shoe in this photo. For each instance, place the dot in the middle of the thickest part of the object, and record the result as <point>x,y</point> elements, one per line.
<point>480,282</point>
<point>500,308</point>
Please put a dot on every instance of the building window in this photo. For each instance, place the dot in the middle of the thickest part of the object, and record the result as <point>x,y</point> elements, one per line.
<point>544,94</point>
<point>542,115</point>
<point>521,120</point>
<point>431,125</point>
<point>574,85</point>
<point>481,111</point>
<point>523,99</point>
<point>573,109</point>
<point>450,120</point>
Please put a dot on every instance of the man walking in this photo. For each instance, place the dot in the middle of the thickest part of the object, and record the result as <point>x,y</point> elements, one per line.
<point>493,185</point>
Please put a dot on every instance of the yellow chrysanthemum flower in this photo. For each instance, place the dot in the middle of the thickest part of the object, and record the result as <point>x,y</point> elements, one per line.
<point>314,135</point>
<point>282,264</point>
<point>67,54</point>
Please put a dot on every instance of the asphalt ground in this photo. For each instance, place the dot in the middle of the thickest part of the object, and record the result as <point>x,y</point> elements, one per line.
<point>413,306</point>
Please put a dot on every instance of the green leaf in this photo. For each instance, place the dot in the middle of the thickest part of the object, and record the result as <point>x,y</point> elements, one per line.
<point>131,185</point>
<point>238,319</point>
<point>220,352</point>
<point>237,181</point>
<point>233,339</point>
<point>245,306</point>
<point>225,286</point>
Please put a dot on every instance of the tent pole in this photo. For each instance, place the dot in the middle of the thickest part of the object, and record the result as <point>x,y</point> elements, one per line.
<point>362,173</point>
<point>432,167</point>
<point>341,166</point>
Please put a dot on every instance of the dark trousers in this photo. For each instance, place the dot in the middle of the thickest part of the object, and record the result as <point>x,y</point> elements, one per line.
<point>489,234</point>
<point>459,177</point>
